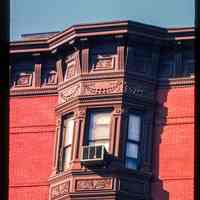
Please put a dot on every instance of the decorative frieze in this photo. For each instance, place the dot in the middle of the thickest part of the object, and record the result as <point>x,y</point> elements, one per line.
<point>102,87</point>
<point>99,88</point>
<point>90,89</point>
<point>60,190</point>
<point>70,93</point>
<point>93,184</point>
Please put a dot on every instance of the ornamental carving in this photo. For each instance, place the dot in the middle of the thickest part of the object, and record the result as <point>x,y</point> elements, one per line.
<point>71,69</point>
<point>93,184</point>
<point>80,112</point>
<point>103,88</point>
<point>50,77</point>
<point>60,190</point>
<point>23,79</point>
<point>118,110</point>
<point>69,93</point>
<point>92,88</point>
<point>102,62</point>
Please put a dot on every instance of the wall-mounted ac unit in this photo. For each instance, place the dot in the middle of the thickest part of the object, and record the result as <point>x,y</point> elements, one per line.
<point>93,155</point>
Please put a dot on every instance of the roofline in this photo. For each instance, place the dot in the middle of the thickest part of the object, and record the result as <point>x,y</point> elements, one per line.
<point>99,29</point>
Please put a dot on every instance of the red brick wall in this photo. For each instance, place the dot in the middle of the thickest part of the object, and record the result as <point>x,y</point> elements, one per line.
<point>174,145</point>
<point>32,128</point>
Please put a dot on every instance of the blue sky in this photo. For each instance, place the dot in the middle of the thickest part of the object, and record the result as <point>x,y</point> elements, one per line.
<point>31,16</point>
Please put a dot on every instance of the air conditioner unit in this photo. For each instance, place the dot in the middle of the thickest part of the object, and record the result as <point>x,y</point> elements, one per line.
<point>93,155</point>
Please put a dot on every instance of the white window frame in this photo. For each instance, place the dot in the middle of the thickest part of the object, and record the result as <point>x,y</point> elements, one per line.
<point>103,140</point>
<point>66,144</point>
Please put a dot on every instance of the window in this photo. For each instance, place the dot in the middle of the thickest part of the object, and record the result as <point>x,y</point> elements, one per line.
<point>68,126</point>
<point>133,141</point>
<point>99,128</point>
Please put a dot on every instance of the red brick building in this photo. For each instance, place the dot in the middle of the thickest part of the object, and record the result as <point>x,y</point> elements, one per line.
<point>102,111</point>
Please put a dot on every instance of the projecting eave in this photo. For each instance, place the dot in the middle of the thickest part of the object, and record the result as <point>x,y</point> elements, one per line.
<point>182,33</point>
<point>76,32</point>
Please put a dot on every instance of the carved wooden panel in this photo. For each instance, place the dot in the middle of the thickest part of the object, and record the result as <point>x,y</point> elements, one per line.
<point>59,190</point>
<point>72,65</point>
<point>49,73</point>
<point>23,79</point>
<point>93,184</point>
<point>50,77</point>
<point>102,56</point>
<point>70,69</point>
<point>103,62</point>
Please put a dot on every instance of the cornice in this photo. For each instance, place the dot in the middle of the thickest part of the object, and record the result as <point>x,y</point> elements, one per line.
<point>34,91</point>
<point>98,29</point>
<point>176,82</point>
<point>161,83</point>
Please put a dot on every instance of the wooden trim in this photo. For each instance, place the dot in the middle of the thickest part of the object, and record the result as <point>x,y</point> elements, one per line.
<point>85,60</point>
<point>59,70</point>
<point>38,75</point>
<point>56,147</point>
<point>121,58</point>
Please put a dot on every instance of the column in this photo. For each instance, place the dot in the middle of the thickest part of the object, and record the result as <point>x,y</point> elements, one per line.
<point>78,139</point>
<point>56,147</point>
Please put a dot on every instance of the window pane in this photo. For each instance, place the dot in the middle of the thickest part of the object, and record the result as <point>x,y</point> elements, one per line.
<point>99,125</point>
<point>97,143</point>
<point>131,163</point>
<point>134,127</point>
<point>132,150</point>
<point>69,126</point>
<point>67,157</point>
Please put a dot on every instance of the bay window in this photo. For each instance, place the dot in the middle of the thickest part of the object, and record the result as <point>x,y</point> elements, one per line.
<point>99,128</point>
<point>133,141</point>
